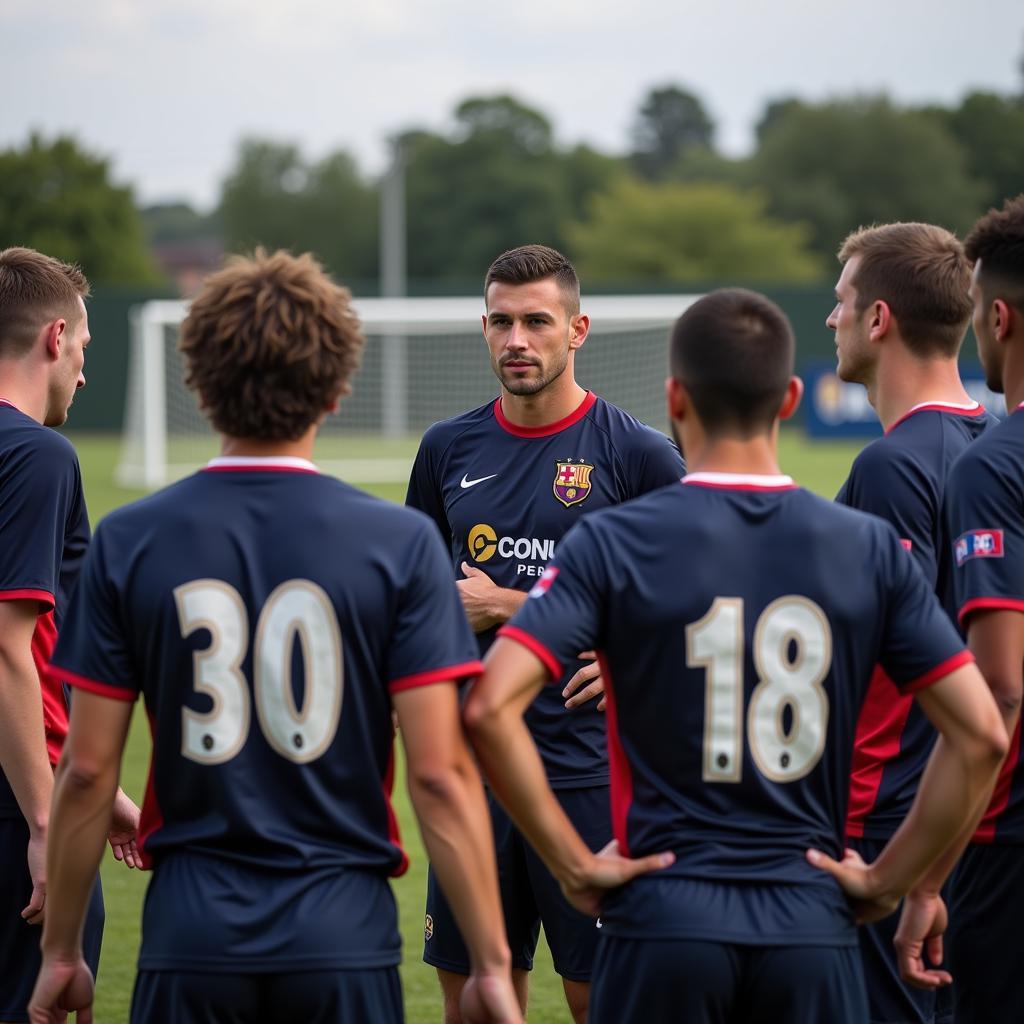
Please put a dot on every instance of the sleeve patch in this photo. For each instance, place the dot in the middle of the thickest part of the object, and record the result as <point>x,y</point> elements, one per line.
<point>543,585</point>
<point>978,544</point>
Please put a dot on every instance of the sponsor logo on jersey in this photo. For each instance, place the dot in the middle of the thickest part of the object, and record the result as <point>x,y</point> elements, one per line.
<point>484,543</point>
<point>428,928</point>
<point>572,482</point>
<point>543,585</point>
<point>978,544</point>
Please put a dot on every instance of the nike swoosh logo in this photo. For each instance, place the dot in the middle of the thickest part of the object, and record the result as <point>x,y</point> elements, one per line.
<point>466,482</point>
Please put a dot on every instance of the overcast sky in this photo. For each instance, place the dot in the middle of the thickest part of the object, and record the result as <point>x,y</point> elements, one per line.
<point>166,88</point>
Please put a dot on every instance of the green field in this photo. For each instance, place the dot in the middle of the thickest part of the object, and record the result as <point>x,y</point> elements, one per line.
<point>821,467</point>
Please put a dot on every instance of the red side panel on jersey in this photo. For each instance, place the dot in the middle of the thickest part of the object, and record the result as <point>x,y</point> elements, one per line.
<point>151,819</point>
<point>621,777</point>
<point>883,717</point>
<point>55,706</point>
<point>986,831</point>
<point>393,831</point>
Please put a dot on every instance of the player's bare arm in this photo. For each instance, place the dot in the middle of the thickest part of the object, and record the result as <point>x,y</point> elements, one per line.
<point>23,754</point>
<point>494,719</point>
<point>83,799</point>
<point>448,798</point>
<point>954,788</point>
<point>485,603</point>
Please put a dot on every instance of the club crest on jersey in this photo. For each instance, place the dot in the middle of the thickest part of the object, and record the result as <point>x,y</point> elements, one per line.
<point>572,482</point>
<point>978,544</point>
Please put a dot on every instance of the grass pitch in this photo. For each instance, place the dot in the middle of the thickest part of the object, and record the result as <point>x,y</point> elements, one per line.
<point>821,467</point>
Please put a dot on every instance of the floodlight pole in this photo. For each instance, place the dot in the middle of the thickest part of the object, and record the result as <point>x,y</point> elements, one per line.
<point>394,375</point>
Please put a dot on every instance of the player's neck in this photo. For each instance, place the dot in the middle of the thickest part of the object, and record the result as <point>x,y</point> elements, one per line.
<point>561,398</point>
<point>1013,374</point>
<point>905,382</point>
<point>27,393</point>
<point>302,448</point>
<point>756,456</point>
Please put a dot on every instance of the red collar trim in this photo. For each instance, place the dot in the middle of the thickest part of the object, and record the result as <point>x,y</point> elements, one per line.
<point>548,429</point>
<point>974,409</point>
<point>259,464</point>
<point>740,481</point>
<point>10,405</point>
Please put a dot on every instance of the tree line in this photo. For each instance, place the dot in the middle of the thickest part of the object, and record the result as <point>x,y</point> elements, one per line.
<point>674,210</point>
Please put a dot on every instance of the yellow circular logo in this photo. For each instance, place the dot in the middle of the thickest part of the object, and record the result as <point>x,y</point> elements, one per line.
<point>483,542</point>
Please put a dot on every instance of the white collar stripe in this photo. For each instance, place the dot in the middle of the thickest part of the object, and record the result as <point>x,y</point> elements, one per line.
<point>739,479</point>
<point>261,462</point>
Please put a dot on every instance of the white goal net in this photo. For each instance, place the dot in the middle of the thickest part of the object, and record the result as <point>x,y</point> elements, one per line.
<point>425,360</point>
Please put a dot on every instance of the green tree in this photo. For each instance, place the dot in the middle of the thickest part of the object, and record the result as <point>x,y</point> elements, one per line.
<point>845,163</point>
<point>688,234</point>
<point>275,198</point>
<point>58,198</point>
<point>670,122</point>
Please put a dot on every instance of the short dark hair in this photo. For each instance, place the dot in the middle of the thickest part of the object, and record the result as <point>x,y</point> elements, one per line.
<point>998,241</point>
<point>531,263</point>
<point>920,271</point>
<point>733,351</point>
<point>269,343</point>
<point>34,290</point>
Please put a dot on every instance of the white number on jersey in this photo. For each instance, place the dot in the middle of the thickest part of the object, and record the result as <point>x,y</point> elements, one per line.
<point>297,610</point>
<point>792,655</point>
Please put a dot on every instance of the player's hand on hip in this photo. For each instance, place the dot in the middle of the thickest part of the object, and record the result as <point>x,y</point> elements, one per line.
<point>869,901</point>
<point>918,939</point>
<point>589,678</point>
<point>489,999</point>
<point>608,870</point>
<point>124,830</point>
<point>62,986</point>
<point>36,856</point>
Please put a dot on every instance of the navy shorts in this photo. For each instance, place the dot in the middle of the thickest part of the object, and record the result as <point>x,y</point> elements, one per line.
<point>983,945</point>
<point>19,942</point>
<point>530,896</point>
<point>639,981</point>
<point>313,997</point>
<point>890,999</point>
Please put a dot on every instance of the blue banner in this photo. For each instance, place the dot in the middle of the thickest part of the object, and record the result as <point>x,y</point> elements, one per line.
<point>834,408</point>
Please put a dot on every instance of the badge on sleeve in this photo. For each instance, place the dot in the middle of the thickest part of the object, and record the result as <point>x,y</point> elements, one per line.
<point>978,544</point>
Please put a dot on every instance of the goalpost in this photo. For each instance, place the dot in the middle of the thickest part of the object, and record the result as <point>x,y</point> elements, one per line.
<point>425,360</point>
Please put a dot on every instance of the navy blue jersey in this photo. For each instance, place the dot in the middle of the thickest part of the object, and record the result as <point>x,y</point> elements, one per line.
<point>985,506</point>
<point>902,478</point>
<point>738,636</point>
<point>44,532</point>
<point>267,613</point>
<point>504,496</point>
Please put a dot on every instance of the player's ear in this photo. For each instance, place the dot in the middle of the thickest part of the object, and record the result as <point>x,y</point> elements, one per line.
<point>677,397</point>
<point>579,328</point>
<point>1002,314</point>
<point>791,402</point>
<point>55,335</point>
<point>881,321</point>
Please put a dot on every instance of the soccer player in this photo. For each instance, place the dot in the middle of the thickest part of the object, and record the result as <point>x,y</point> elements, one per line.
<point>738,619</point>
<point>272,618</point>
<point>986,521</point>
<point>900,318</point>
<point>44,531</point>
<point>504,483</point>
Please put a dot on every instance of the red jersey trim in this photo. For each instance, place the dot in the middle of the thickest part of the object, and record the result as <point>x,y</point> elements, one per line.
<point>949,665</point>
<point>394,834</point>
<point>975,409</point>
<point>620,775</point>
<point>152,818</point>
<point>44,597</point>
<point>437,675</point>
<point>532,644</point>
<point>978,604</point>
<point>740,481</point>
<point>550,428</point>
<point>10,405</point>
<point>92,686</point>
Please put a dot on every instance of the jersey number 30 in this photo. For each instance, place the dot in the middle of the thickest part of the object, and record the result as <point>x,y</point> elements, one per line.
<point>296,610</point>
<point>792,652</point>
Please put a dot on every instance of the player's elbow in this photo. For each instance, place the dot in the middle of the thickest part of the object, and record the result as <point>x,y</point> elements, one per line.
<point>989,742</point>
<point>1006,689</point>
<point>481,713</point>
<point>82,774</point>
<point>439,782</point>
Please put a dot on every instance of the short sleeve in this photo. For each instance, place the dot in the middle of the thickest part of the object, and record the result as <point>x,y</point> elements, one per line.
<point>985,513</point>
<point>432,641</point>
<point>919,643</point>
<point>92,649</point>
<point>424,494</point>
<point>563,614</point>
<point>654,462</point>
<point>36,488</point>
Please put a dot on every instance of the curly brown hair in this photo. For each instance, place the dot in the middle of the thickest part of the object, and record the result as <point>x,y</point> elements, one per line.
<point>270,344</point>
<point>921,272</point>
<point>998,241</point>
<point>35,290</point>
